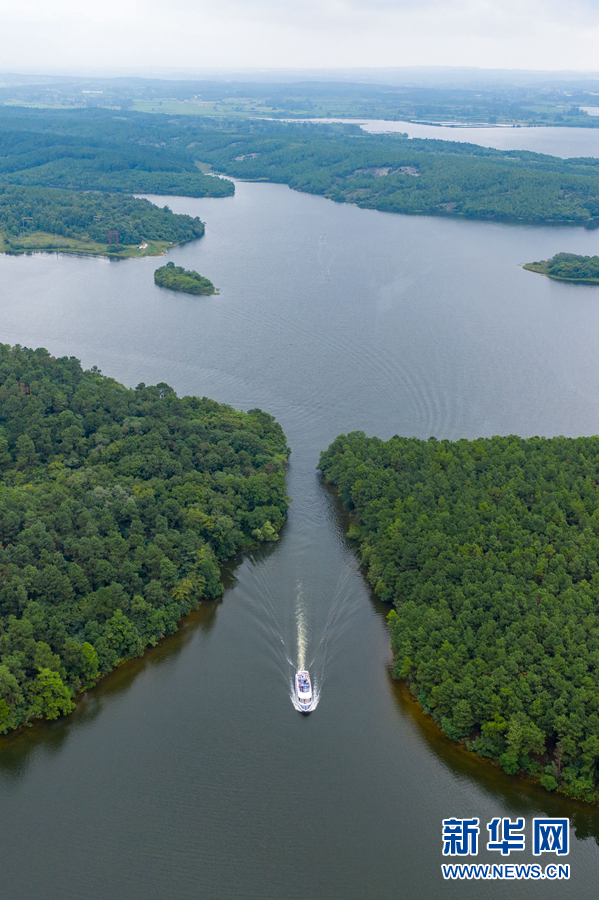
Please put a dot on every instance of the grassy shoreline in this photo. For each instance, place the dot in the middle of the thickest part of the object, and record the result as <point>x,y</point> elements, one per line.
<point>541,269</point>
<point>567,267</point>
<point>42,242</point>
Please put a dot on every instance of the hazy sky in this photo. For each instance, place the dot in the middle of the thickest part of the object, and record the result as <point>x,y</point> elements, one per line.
<point>523,34</point>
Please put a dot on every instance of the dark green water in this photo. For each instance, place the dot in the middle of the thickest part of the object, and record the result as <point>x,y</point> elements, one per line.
<point>188,774</point>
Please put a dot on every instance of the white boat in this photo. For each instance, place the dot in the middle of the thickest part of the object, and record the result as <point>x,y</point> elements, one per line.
<point>303,690</point>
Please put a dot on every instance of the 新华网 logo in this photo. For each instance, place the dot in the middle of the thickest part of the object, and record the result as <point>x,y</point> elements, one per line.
<point>460,836</point>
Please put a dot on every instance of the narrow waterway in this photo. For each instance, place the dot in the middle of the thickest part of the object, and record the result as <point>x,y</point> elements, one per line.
<point>188,773</point>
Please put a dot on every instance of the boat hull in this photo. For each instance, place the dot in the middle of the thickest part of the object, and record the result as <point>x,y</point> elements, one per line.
<point>303,691</point>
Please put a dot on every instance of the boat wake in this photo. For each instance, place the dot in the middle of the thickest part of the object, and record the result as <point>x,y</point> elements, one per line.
<point>302,633</point>
<point>316,663</point>
<point>299,665</point>
<point>325,257</point>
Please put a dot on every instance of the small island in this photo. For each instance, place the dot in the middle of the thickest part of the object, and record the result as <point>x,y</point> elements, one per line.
<point>568,267</point>
<point>179,279</point>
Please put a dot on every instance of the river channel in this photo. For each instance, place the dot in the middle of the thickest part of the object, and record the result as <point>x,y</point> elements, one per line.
<point>188,774</point>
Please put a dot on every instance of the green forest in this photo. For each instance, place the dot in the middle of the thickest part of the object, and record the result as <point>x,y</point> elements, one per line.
<point>116,508</point>
<point>74,176</point>
<point>176,278</point>
<point>94,149</point>
<point>420,176</point>
<point>488,551</point>
<point>27,212</point>
<point>40,150</point>
<point>568,267</point>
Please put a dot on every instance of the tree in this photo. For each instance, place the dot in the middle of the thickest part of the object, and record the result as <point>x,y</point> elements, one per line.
<point>50,698</point>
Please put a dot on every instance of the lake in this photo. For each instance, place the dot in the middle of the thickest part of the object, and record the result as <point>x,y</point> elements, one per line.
<point>188,773</point>
<point>564,142</point>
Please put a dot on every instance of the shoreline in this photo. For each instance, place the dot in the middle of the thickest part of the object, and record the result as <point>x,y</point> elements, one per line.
<point>541,269</point>
<point>85,248</point>
<point>591,224</point>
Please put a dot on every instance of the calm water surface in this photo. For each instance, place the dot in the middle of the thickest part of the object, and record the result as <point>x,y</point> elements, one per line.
<point>564,142</point>
<point>188,774</point>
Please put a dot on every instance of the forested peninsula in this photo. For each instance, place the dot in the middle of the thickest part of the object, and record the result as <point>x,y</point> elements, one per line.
<point>96,150</point>
<point>488,551</point>
<point>188,281</point>
<point>116,508</point>
<point>79,151</point>
<point>568,267</point>
<point>420,176</point>
<point>35,218</point>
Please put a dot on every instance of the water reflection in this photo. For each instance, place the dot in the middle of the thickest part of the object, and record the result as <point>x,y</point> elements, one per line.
<point>16,748</point>
<point>516,794</point>
<point>180,775</point>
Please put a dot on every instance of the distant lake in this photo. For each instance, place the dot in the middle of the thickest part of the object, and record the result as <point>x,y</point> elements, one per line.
<point>188,774</point>
<point>564,142</point>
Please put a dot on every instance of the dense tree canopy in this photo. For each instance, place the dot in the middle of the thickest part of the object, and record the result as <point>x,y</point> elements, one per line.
<point>90,216</point>
<point>176,278</point>
<point>116,507</point>
<point>420,176</point>
<point>96,149</point>
<point>95,162</point>
<point>568,267</point>
<point>489,552</point>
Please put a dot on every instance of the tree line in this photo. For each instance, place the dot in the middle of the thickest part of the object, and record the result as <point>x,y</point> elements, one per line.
<point>568,267</point>
<point>89,216</point>
<point>92,161</point>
